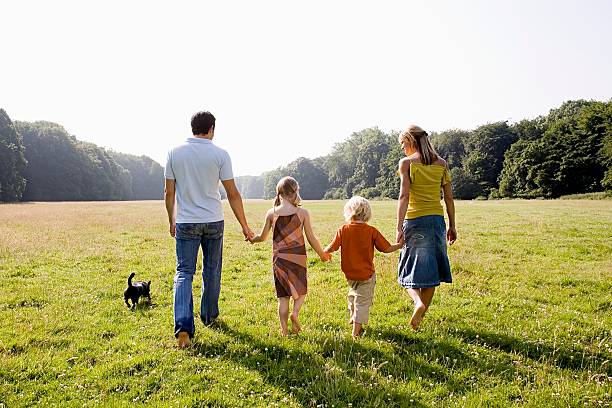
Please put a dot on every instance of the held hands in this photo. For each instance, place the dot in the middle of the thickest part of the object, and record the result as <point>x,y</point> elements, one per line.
<point>400,236</point>
<point>327,254</point>
<point>451,235</point>
<point>254,239</point>
<point>248,233</point>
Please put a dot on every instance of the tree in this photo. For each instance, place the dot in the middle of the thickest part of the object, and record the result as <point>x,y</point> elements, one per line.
<point>484,160</point>
<point>250,186</point>
<point>528,170</point>
<point>60,168</point>
<point>606,155</point>
<point>271,178</point>
<point>569,110</point>
<point>450,145</point>
<point>465,186</point>
<point>528,129</point>
<point>388,181</point>
<point>569,158</point>
<point>146,176</point>
<point>311,177</point>
<point>12,161</point>
<point>355,165</point>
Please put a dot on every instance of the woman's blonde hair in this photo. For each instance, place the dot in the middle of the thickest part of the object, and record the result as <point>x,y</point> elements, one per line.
<point>417,138</point>
<point>358,209</point>
<point>288,188</point>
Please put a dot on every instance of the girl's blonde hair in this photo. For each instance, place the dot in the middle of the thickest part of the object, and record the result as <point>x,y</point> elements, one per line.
<point>288,188</point>
<point>417,138</point>
<point>358,209</point>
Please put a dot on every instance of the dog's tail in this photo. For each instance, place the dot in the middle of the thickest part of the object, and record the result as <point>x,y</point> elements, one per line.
<point>130,278</point>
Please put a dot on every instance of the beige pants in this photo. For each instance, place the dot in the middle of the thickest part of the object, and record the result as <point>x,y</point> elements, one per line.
<point>360,297</point>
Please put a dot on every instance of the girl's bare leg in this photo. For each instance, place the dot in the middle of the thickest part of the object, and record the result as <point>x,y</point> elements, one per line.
<point>283,314</point>
<point>297,304</point>
<point>419,307</point>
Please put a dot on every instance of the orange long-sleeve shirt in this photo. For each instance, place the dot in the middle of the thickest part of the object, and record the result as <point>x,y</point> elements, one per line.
<point>357,242</point>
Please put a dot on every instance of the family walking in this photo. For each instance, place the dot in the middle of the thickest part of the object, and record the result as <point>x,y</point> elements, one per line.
<point>195,214</point>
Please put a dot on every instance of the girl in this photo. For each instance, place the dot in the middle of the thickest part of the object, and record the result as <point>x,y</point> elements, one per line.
<point>288,221</point>
<point>423,261</point>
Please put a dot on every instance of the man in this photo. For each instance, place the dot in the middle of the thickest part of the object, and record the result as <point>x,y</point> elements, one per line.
<point>193,171</point>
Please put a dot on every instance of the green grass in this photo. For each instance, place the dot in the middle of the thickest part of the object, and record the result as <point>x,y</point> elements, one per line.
<point>527,321</point>
<point>603,195</point>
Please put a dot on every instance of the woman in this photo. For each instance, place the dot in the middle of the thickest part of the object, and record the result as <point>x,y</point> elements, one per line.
<point>423,261</point>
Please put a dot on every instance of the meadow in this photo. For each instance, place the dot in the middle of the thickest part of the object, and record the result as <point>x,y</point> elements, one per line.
<point>527,321</point>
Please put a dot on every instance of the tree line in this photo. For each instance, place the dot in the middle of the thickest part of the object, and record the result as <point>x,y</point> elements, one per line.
<point>40,161</point>
<point>568,151</point>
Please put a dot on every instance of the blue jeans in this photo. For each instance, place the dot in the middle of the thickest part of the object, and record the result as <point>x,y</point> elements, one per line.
<point>189,238</point>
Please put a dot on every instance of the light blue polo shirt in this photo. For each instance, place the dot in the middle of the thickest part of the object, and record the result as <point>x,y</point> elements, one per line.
<point>198,166</point>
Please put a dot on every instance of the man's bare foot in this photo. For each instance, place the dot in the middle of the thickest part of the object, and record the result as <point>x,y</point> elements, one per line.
<point>417,315</point>
<point>183,340</point>
<point>295,324</point>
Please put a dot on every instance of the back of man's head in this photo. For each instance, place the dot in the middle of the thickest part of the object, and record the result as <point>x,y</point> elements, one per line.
<point>202,123</point>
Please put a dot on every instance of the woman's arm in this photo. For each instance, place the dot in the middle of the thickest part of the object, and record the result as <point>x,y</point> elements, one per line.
<point>402,202</point>
<point>381,243</point>
<point>451,234</point>
<point>312,239</point>
<point>263,235</point>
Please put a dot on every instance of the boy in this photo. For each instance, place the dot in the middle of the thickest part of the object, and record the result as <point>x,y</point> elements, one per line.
<point>357,241</point>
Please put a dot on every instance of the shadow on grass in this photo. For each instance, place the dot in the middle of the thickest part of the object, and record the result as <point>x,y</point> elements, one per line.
<point>143,306</point>
<point>389,367</point>
<point>311,378</point>
<point>576,358</point>
<point>401,362</point>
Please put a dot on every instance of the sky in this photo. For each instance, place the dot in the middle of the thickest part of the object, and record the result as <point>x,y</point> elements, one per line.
<point>288,79</point>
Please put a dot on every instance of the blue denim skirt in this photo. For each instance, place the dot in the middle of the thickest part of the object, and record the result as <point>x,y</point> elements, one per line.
<point>423,261</point>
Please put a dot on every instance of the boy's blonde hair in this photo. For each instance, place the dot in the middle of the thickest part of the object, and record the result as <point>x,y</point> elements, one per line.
<point>358,209</point>
<point>288,188</point>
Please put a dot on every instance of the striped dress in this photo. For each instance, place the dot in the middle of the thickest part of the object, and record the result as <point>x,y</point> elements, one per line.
<point>289,256</point>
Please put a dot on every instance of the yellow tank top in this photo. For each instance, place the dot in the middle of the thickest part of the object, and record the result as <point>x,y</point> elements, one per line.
<point>425,183</point>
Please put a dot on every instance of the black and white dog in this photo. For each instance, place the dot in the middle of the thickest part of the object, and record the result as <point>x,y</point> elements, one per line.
<point>136,290</point>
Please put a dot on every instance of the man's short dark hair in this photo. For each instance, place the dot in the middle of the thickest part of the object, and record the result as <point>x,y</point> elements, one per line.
<point>202,122</point>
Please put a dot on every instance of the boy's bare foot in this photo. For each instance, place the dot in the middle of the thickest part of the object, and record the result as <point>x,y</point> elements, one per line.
<point>183,340</point>
<point>284,332</point>
<point>295,324</point>
<point>357,330</point>
<point>417,315</point>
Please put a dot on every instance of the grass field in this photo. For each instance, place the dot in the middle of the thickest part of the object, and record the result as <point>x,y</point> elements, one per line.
<point>527,321</point>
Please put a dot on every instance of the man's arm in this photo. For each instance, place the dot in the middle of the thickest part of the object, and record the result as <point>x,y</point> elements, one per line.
<point>235,201</point>
<point>170,198</point>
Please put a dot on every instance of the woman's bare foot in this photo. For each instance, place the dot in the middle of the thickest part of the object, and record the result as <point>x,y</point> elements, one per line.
<point>183,340</point>
<point>295,324</point>
<point>417,315</point>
